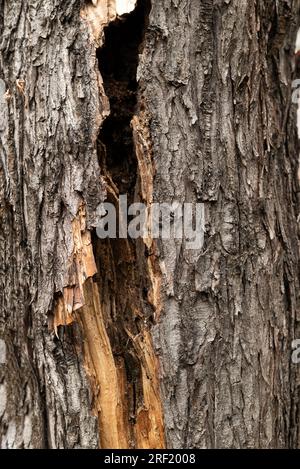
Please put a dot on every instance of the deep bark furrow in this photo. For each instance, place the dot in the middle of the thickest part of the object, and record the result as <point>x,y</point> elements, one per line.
<point>122,279</point>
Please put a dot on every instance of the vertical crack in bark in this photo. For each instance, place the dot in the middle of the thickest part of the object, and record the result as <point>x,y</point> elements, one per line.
<point>122,298</point>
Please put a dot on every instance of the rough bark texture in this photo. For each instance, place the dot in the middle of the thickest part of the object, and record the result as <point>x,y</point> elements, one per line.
<point>50,118</point>
<point>211,122</point>
<point>217,79</point>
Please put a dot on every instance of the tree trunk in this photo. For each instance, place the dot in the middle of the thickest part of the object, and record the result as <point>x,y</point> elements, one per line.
<point>123,343</point>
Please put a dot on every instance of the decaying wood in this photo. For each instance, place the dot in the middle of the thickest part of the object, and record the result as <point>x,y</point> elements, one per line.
<point>61,324</point>
<point>82,267</point>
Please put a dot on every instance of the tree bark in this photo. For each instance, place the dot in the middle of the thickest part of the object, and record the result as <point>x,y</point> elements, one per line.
<point>148,344</point>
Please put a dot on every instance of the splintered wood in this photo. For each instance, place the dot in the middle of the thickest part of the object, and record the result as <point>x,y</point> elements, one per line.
<point>111,307</point>
<point>85,301</point>
<point>81,267</point>
<point>143,149</point>
<point>101,367</point>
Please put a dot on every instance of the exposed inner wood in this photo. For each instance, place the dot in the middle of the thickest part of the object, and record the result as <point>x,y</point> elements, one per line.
<point>81,267</point>
<point>125,279</point>
<point>113,284</point>
<point>98,13</point>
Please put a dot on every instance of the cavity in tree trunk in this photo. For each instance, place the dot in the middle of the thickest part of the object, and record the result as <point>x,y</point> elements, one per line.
<point>123,343</point>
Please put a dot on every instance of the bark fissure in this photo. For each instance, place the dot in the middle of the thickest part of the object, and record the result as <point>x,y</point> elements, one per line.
<point>127,400</point>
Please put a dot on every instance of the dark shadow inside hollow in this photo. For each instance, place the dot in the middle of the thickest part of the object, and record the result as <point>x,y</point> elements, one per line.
<point>118,62</point>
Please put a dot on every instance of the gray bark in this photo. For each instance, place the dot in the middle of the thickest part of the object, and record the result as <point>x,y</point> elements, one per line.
<point>48,163</point>
<point>215,90</point>
<point>217,77</point>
